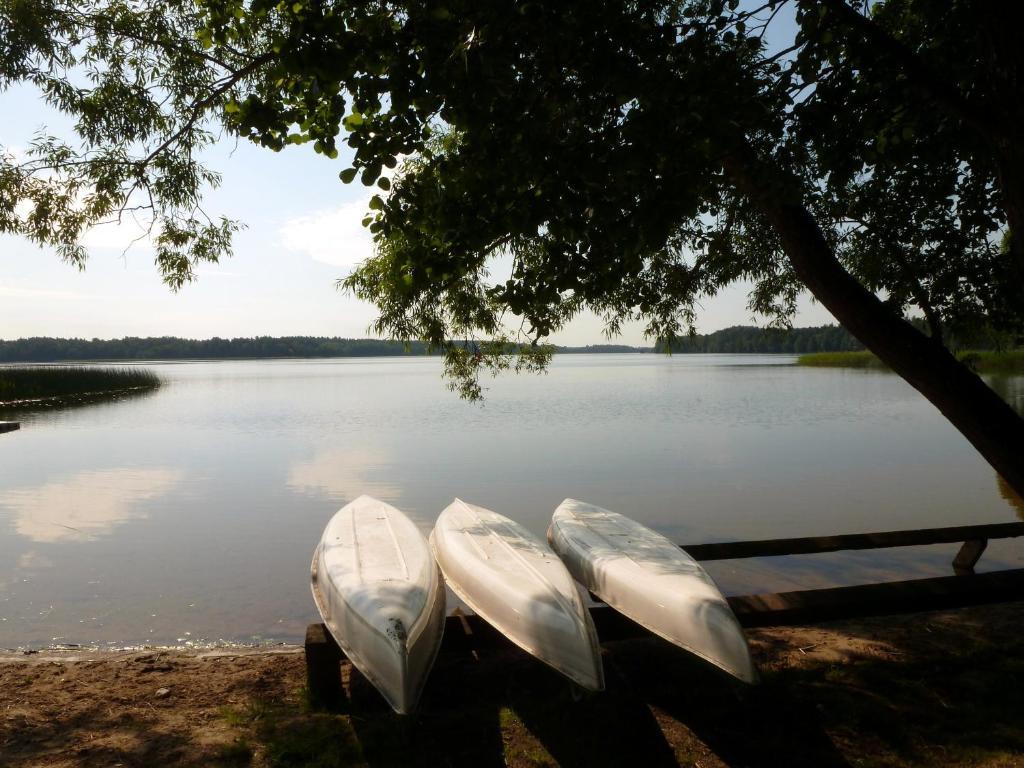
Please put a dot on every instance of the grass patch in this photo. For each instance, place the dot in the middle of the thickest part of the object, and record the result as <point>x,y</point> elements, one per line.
<point>237,753</point>
<point>520,747</point>
<point>289,737</point>
<point>21,384</point>
<point>312,741</point>
<point>1011,361</point>
<point>841,360</point>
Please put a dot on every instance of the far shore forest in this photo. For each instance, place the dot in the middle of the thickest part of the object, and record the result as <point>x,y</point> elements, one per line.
<point>825,345</point>
<point>737,339</point>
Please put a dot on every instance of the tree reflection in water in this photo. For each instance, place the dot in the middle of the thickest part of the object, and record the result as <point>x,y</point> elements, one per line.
<point>1011,496</point>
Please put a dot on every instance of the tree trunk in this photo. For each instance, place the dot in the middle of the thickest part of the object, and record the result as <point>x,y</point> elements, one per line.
<point>984,418</point>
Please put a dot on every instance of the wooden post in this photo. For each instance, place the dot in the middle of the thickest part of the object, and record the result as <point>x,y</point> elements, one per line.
<point>9,426</point>
<point>323,667</point>
<point>969,555</point>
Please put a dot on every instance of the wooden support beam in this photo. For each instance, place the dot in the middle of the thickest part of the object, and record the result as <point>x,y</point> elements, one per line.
<point>467,632</point>
<point>9,426</point>
<point>969,555</point>
<point>731,550</point>
<point>939,593</point>
<point>323,667</point>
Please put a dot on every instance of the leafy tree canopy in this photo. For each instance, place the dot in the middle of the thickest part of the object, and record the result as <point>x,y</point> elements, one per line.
<point>590,144</point>
<point>141,92</point>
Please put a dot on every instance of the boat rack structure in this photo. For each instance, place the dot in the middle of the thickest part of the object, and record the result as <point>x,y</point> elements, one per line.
<point>963,588</point>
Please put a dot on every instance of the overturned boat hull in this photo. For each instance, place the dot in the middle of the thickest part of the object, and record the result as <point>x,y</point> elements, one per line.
<point>381,596</point>
<point>511,579</point>
<point>646,577</point>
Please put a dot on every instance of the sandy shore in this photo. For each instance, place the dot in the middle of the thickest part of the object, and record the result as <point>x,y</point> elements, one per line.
<point>930,689</point>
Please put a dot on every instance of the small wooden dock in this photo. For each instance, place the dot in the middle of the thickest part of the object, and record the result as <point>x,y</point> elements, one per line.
<point>962,588</point>
<point>9,426</point>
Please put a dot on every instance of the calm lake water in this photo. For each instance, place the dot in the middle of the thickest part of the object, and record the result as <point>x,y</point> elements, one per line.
<point>190,515</point>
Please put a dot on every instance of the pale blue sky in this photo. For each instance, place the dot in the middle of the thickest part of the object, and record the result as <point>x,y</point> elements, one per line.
<point>303,234</point>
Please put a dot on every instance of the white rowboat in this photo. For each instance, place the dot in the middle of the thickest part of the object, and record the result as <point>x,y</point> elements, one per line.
<point>381,595</point>
<point>646,577</point>
<point>511,579</point>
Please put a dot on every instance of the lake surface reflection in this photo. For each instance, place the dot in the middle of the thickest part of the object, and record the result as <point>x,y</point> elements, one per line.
<point>190,515</point>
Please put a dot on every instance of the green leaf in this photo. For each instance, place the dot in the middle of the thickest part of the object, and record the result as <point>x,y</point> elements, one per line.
<point>348,175</point>
<point>376,204</point>
<point>384,183</point>
<point>370,174</point>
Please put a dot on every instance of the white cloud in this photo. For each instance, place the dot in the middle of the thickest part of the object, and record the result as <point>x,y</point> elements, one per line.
<point>342,474</point>
<point>16,292</point>
<point>331,235</point>
<point>87,504</point>
<point>120,237</point>
<point>204,272</point>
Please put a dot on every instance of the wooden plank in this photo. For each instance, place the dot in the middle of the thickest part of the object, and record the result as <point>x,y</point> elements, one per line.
<point>9,426</point>
<point>939,593</point>
<point>730,550</point>
<point>968,555</point>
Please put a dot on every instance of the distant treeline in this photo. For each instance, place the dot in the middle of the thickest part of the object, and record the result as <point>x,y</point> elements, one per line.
<point>749,338</point>
<point>601,348</point>
<point>46,349</point>
<point>827,338</point>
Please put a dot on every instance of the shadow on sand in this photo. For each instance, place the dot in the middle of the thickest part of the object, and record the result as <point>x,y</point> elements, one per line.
<point>498,706</point>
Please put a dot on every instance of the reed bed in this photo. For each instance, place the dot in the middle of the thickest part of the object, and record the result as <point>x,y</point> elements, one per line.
<point>1011,361</point>
<point>840,360</point>
<point>19,384</point>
